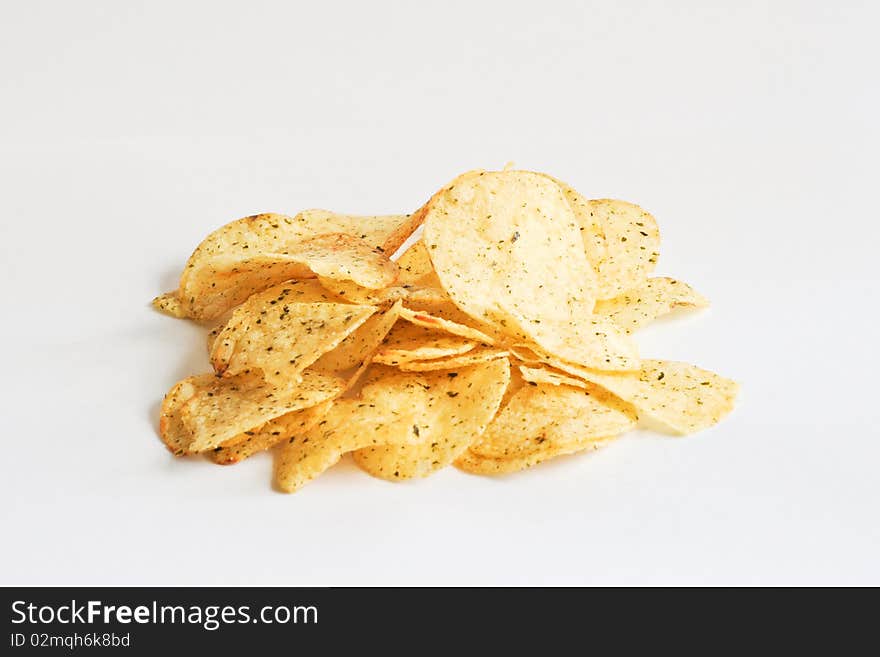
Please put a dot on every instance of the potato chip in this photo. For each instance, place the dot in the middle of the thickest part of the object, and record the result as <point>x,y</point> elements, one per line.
<point>221,409</point>
<point>472,357</point>
<point>351,424</point>
<point>434,322</point>
<point>358,347</point>
<point>507,249</point>
<point>653,298</point>
<point>389,411</point>
<point>301,291</point>
<point>410,342</point>
<point>561,415</point>
<point>416,267</point>
<point>591,228</point>
<point>303,458</point>
<point>280,337</point>
<point>681,397</point>
<point>342,257</point>
<point>272,432</point>
<point>254,253</point>
<point>632,245</point>
<point>169,303</point>
<point>176,436</point>
<point>487,465</point>
<point>452,410</point>
<point>629,238</point>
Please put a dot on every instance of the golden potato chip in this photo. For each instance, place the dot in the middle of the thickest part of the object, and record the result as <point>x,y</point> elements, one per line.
<point>632,245</point>
<point>541,413</point>
<point>254,253</point>
<point>332,256</point>
<point>507,249</point>
<point>307,290</point>
<point>351,424</point>
<point>389,411</point>
<point>176,436</point>
<point>169,303</point>
<point>221,409</point>
<point>342,257</point>
<point>281,337</point>
<point>410,342</point>
<point>654,297</point>
<point>452,407</point>
<point>303,458</point>
<point>474,356</point>
<point>487,465</point>
<point>682,397</point>
<point>358,347</point>
<point>496,240</point>
<point>384,232</point>
<point>622,241</point>
<point>434,322</point>
<point>416,268</point>
<point>272,432</point>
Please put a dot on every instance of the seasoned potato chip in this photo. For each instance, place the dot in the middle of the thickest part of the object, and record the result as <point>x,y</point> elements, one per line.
<point>632,245</point>
<point>342,257</point>
<point>254,253</point>
<point>682,397</point>
<point>221,409</point>
<point>302,458</point>
<point>496,240</point>
<point>472,357</point>
<point>507,249</point>
<point>416,268</point>
<point>452,409</point>
<point>409,342</point>
<point>358,347</point>
<point>390,410</point>
<point>177,436</point>
<point>280,337</point>
<point>560,415</point>
<point>434,322</point>
<point>351,424</point>
<point>621,240</point>
<point>307,290</point>
<point>654,297</point>
<point>487,465</point>
<point>169,303</point>
<point>272,432</point>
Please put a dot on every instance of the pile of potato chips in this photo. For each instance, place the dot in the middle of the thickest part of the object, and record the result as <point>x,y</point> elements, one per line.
<point>499,339</point>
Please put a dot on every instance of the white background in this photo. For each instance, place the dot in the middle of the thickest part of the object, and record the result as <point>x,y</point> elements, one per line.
<point>130,130</point>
